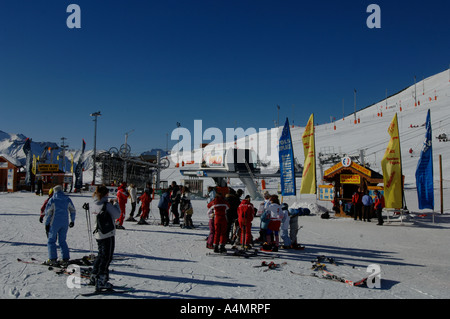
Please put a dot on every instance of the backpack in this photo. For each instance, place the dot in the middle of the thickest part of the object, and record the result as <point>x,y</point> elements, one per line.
<point>105,223</point>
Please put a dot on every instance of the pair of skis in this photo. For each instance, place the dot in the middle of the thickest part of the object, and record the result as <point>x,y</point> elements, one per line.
<point>115,290</point>
<point>242,253</point>
<point>329,276</point>
<point>59,268</point>
<point>85,273</point>
<point>318,265</point>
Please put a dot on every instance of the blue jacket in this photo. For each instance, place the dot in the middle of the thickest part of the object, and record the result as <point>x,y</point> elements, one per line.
<point>265,219</point>
<point>164,201</point>
<point>367,200</point>
<point>58,209</point>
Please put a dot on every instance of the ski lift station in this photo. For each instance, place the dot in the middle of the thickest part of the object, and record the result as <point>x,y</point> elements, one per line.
<point>223,164</point>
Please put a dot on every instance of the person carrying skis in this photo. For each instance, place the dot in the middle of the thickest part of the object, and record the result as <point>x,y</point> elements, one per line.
<point>106,242</point>
<point>245,213</point>
<point>145,199</point>
<point>220,222</point>
<point>122,197</point>
<point>57,224</point>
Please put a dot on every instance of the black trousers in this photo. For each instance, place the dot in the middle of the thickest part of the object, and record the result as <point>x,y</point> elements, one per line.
<point>164,213</point>
<point>357,211</point>
<point>176,214</point>
<point>380,216</point>
<point>105,254</point>
<point>366,212</point>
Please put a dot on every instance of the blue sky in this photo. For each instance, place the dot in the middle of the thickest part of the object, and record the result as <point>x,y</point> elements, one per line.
<point>147,65</point>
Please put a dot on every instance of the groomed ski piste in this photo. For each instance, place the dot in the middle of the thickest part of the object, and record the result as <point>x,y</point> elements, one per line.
<point>160,262</point>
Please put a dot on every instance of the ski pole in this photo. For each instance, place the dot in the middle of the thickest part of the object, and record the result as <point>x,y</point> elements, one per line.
<point>89,228</point>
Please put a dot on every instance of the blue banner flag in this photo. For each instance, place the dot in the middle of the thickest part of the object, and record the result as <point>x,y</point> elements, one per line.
<point>287,169</point>
<point>424,171</point>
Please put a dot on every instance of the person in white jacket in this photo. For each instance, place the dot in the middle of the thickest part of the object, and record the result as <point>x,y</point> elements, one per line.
<point>106,242</point>
<point>276,215</point>
<point>132,190</point>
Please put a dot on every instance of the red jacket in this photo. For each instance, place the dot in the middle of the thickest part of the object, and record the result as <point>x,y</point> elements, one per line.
<point>122,195</point>
<point>379,202</point>
<point>245,212</point>
<point>220,207</point>
<point>146,200</point>
<point>357,198</point>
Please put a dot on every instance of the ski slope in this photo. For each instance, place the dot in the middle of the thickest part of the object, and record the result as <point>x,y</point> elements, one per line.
<point>172,263</point>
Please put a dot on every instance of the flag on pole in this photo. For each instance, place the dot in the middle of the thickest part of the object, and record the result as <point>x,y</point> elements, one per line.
<point>29,161</point>
<point>287,169</point>
<point>424,171</point>
<point>79,168</point>
<point>308,185</point>
<point>392,169</point>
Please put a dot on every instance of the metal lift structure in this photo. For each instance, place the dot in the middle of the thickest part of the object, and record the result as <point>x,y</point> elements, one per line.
<point>234,163</point>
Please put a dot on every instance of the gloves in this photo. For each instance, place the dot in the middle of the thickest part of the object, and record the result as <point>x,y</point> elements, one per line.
<point>41,219</point>
<point>71,224</point>
<point>47,229</point>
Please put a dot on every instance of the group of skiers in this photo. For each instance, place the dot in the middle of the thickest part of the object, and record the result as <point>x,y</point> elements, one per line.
<point>124,193</point>
<point>362,205</point>
<point>230,221</point>
<point>175,200</point>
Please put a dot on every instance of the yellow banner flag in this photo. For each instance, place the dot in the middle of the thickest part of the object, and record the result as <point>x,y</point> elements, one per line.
<point>33,167</point>
<point>309,169</point>
<point>392,169</point>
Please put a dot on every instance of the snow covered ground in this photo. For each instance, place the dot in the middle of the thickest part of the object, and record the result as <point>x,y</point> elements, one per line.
<point>171,262</point>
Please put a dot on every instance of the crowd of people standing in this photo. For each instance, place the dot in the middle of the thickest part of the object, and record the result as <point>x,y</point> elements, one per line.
<point>230,222</point>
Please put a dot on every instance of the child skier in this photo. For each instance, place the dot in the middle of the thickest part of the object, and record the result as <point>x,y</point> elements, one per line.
<point>145,199</point>
<point>186,209</point>
<point>245,213</point>
<point>273,229</point>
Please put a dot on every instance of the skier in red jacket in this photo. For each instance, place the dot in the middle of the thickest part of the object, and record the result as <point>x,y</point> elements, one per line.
<point>145,199</point>
<point>245,212</point>
<point>122,197</point>
<point>220,222</point>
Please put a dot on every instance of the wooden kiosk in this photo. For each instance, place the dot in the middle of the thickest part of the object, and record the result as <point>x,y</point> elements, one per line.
<point>9,174</point>
<point>345,178</point>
